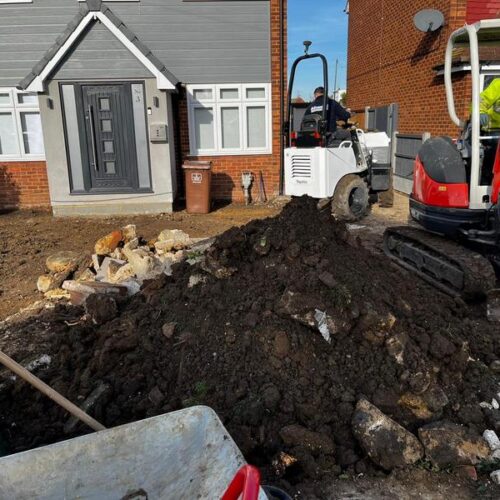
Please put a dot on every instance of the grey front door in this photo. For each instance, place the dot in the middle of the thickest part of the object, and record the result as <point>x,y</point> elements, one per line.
<point>107,138</point>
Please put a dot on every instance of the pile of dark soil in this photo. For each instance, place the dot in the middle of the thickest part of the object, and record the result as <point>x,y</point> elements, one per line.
<point>246,342</point>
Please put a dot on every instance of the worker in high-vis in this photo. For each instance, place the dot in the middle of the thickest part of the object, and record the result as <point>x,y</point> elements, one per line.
<point>489,110</point>
<point>490,106</point>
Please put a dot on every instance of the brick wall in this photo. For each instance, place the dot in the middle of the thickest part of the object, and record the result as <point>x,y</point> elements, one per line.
<point>389,60</point>
<point>226,170</point>
<point>24,185</point>
<point>482,9</point>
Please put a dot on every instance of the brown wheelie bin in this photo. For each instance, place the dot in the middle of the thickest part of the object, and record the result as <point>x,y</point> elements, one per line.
<point>198,176</point>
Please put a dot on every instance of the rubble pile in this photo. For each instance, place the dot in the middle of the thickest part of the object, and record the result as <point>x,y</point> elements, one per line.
<point>121,263</point>
<point>319,356</point>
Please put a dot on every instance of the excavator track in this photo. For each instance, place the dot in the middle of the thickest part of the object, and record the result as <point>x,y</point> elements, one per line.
<point>447,265</point>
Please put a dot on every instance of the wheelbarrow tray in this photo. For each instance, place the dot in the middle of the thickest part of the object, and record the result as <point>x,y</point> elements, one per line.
<point>184,454</point>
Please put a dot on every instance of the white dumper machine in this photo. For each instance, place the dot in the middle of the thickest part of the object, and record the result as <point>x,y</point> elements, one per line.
<point>351,171</point>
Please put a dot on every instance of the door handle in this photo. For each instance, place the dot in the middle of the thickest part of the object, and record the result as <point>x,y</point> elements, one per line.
<point>92,137</point>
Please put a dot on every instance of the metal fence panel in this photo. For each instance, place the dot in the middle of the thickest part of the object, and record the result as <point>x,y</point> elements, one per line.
<point>405,150</point>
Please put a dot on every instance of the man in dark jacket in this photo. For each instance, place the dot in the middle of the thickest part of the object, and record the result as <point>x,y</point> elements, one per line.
<point>334,111</point>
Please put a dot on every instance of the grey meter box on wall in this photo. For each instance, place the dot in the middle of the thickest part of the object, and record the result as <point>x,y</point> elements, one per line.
<point>158,132</point>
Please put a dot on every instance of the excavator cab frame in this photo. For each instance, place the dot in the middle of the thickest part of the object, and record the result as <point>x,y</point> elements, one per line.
<point>473,36</point>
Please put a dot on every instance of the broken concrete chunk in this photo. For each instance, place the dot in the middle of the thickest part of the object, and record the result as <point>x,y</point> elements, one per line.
<point>86,275</point>
<point>131,245</point>
<point>79,291</point>
<point>56,294</point>
<point>96,261</point>
<point>296,435</point>
<point>52,281</point>
<point>386,442</point>
<point>163,247</point>
<point>62,262</point>
<point>145,266</point>
<point>173,239</point>
<point>108,243</point>
<point>104,271</point>
<point>129,232</point>
<point>451,444</point>
<point>122,273</point>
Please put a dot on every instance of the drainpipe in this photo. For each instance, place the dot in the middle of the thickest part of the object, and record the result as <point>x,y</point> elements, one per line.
<point>282,85</point>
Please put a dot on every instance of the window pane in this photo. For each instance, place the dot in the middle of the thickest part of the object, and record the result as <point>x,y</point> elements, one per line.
<point>230,123</point>
<point>4,99</point>
<point>8,139</point>
<point>27,99</point>
<point>203,94</point>
<point>106,125</point>
<point>256,127</point>
<point>229,94</point>
<point>109,166</point>
<point>104,104</point>
<point>32,133</point>
<point>204,128</point>
<point>108,147</point>
<point>256,93</point>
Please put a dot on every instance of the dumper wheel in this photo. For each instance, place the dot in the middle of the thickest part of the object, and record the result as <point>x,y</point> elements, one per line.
<point>351,200</point>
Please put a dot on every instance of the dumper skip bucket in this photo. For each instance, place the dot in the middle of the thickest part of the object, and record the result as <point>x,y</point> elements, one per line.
<point>184,454</point>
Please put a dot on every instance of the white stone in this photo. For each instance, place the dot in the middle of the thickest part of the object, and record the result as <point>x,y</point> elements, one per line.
<point>495,476</point>
<point>495,404</point>
<point>144,265</point>
<point>492,439</point>
<point>321,319</point>
<point>124,273</point>
<point>102,274</point>
<point>484,404</point>
<point>196,279</point>
<point>173,239</point>
<point>131,245</point>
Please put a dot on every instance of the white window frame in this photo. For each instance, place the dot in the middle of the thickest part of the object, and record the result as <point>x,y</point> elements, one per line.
<point>17,1</point>
<point>488,71</point>
<point>217,104</point>
<point>16,109</point>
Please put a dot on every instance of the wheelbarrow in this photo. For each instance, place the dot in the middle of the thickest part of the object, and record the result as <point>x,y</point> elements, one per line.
<point>184,454</point>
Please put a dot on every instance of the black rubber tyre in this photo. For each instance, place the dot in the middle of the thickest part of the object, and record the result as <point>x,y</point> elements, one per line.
<point>351,200</point>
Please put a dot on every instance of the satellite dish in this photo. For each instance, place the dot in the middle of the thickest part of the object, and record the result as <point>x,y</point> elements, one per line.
<point>428,20</point>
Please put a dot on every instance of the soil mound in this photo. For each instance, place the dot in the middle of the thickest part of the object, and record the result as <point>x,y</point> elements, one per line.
<point>244,330</point>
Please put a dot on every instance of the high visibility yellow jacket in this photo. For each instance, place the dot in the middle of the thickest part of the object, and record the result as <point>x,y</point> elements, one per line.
<point>490,103</point>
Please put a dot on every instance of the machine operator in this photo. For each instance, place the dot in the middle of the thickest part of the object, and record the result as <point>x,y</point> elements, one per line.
<point>334,112</point>
<point>490,106</point>
<point>489,110</point>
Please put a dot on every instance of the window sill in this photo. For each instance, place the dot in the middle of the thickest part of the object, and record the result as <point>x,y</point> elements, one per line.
<point>231,153</point>
<point>13,159</point>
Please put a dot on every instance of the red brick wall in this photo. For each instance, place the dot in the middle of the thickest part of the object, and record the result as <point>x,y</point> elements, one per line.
<point>389,60</point>
<point>24,185</point>
<point>226,170</point>
<point>482,9</point>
